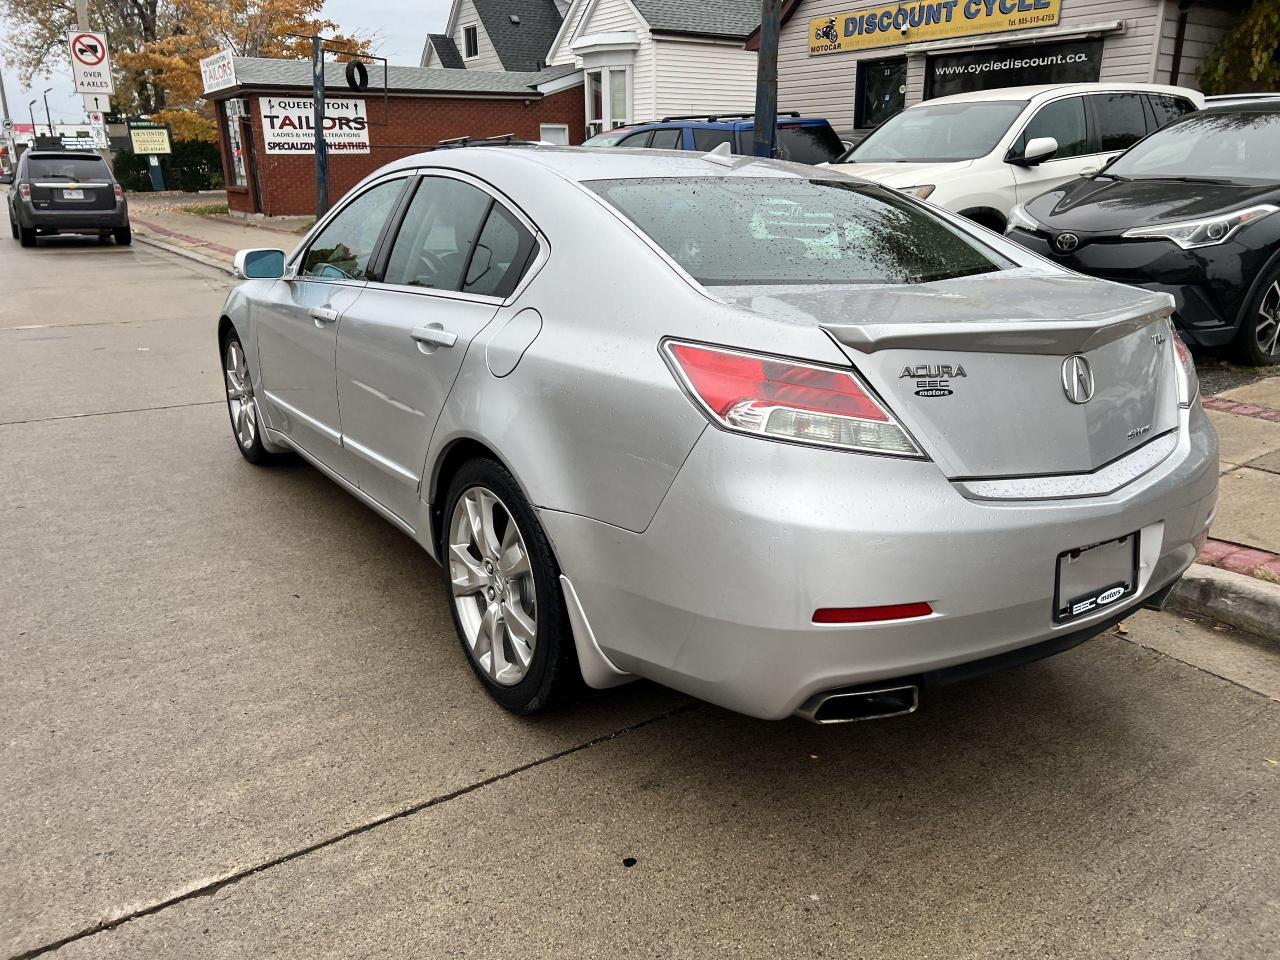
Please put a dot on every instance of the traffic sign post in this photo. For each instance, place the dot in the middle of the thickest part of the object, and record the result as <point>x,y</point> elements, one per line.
<point>90,62</point>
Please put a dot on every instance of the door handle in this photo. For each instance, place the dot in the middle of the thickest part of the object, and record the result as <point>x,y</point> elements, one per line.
<point>434,335</point>
<point>323,315</point>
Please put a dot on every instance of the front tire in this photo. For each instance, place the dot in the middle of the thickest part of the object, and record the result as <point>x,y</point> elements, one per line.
<point>504,584</point>
<point>238,382</point>
<point>1258,340</point>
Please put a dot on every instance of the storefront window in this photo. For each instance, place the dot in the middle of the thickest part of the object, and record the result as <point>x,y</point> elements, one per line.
<point>882,91</point>
<point>1077,61</point>
<point>234,110</point>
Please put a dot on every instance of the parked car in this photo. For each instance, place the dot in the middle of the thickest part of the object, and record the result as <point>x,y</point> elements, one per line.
<point>6,176</point>
<point>790,443</point>
<point>66,193</point>
<point>981,153</point>
<point>800,139</point>
<point>1187,211</point>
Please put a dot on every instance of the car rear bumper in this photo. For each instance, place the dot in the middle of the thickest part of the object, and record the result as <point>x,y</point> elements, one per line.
<point>73,221</point>
<point>716,597</point>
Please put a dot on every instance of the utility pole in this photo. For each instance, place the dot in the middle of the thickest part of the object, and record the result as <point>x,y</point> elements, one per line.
<point>322,148</point>
<point>764,141</point>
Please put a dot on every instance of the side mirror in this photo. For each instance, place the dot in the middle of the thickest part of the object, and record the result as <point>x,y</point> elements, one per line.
<point>260,264</point>
<point>1038,151</point>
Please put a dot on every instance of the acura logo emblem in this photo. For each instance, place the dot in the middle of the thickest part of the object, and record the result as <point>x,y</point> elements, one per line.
<point>1066,242</point>
<point>1077,379</point>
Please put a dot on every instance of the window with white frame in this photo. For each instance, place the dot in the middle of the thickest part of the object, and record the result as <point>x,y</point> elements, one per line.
<point>608,91</point>
<point>470,42</point>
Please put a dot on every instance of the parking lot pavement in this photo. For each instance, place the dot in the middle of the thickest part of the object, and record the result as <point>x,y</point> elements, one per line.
<point>237,723</point>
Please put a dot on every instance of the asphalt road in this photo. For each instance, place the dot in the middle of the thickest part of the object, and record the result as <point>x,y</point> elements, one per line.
<point>237,724</point>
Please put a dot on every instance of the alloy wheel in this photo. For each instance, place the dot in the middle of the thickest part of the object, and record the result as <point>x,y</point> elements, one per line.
<point>493,587</point>
<point>244,418</point>
<point>1266,330</point>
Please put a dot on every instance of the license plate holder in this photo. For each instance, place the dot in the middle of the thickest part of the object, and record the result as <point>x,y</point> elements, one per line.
<point>72,194</point>
<point>1094,577</point>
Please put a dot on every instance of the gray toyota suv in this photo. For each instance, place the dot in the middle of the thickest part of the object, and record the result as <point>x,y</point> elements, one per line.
<point>66,193</point>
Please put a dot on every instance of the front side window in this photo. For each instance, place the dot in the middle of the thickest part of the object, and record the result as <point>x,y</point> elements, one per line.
<point>939,133</point>
<point>1121,122</point>
<point>707,139</point>
<point>811,143</point>
<point>668,138</point>
<point>342,250</point>
<point>1064,121</point>
<point>1230,147</point>
<point>471,42</point>
<point>731,230</point>
<point>634,140</point>
<point>434,243</point>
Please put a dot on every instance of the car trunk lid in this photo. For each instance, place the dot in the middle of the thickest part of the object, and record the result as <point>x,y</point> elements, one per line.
<point>974,366</point>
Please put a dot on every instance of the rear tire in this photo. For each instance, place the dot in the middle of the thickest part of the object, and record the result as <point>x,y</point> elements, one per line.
<point>27,236</point>
<point>1258,339</point>
<point>505,596</point>
<point>123,235</point>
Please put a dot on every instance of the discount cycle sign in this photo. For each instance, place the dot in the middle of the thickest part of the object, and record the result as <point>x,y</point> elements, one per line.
<point>288,125</point>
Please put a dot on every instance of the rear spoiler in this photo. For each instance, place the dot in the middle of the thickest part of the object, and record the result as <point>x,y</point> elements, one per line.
<point>1056,337</point>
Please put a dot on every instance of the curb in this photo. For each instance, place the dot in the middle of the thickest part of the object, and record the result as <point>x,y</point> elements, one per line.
<point>153,241</point>
<point>1233,598</point>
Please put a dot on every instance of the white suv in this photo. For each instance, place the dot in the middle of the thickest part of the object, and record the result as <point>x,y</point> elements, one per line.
<point>980,154</point>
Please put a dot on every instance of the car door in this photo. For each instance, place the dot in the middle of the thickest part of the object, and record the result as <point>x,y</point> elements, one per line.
<point>1064,120</point>
<point>297,322</point>
<point>456,256</point>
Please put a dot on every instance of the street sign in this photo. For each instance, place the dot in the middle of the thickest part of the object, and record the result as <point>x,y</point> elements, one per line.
<point>90,63</point>
<point>218,71</point>
<point>288,125</point>
<point>148,137</point>
<point>96,102</point>
<point>96,119</point>
<point>6,125</point>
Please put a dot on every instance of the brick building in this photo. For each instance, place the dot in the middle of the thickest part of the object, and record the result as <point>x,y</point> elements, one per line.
<point>263,112</point>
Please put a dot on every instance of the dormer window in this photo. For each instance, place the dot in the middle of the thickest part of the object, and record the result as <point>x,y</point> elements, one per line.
<point>470,42</point>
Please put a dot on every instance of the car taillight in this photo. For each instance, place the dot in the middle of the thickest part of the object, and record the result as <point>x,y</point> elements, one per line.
<point>788,400</point>
<point>1188,379</point>
<point>24,191</point>
<point>118,192</point>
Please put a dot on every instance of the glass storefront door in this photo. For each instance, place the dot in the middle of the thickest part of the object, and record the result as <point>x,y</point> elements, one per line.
<point>881,91</point>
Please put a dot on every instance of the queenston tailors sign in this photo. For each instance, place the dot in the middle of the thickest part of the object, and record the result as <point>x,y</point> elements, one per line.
<point>288,125</point>
<point>913,22</point>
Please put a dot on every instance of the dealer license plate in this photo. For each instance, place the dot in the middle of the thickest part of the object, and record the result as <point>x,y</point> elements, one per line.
<point>72,194</point>
<point>1092,578</point>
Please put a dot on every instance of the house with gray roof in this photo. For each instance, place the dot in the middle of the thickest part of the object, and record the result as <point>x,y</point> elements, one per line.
<point>641,59</point>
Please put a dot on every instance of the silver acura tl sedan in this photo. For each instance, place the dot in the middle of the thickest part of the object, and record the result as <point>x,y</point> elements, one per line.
<point>787,441</point>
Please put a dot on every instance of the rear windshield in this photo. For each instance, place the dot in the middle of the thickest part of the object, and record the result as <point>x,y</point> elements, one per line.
<point>66,168</point>
<point>724,230</point>
<point>809,144</point>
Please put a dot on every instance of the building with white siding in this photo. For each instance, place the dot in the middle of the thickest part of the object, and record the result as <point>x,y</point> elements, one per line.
<point>857,64</point>
<point>640,59</point>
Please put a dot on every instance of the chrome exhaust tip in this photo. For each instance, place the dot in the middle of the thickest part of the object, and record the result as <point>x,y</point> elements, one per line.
<point>850,706</point>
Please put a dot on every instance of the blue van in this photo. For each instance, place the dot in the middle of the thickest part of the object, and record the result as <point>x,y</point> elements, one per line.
<point>800,139</point>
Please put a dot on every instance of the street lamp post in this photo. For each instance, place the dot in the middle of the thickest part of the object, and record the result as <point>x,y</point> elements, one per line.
<point>31,109</point>
<point>47,119</point>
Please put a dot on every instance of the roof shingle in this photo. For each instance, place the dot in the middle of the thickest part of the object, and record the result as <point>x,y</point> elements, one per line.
<point>710,18</point>
<point>260,72</point>
<point>521,31</point>
<point>446,51</point>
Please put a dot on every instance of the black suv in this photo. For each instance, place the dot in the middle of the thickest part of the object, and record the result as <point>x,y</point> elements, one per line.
<point>66,193</point>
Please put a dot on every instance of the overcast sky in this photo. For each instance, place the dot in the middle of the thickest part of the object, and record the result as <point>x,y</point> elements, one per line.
<point>399,27</point>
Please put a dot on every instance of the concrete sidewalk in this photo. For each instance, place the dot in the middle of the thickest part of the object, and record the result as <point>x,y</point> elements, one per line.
<point>160,221</point>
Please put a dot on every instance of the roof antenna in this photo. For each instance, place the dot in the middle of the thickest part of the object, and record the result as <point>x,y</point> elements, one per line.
<point>721,155</point>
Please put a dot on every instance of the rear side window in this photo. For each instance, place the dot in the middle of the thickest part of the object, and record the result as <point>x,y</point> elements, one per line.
<point>1167,109</point>
<point>341,251</point>
<point>1064,121</point>
<point>666,139</point>
<point>706,139</point>
<point>817,143</point>
<point>502,252</point>
<point>434,243</point>
<point>1121,122</point>
<point>67,168</point>
<point>731,230</point>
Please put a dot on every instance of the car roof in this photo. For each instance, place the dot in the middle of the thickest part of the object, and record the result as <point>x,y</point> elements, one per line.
<point>1244,106</point>
<point>1045,90</point>
<point>578,164</point>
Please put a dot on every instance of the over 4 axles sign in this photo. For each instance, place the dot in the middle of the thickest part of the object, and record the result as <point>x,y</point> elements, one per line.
<point>288,125</point>
<point>929,20</point>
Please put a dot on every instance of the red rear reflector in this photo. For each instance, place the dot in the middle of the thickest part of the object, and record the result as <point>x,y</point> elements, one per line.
<point>894,611</point>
